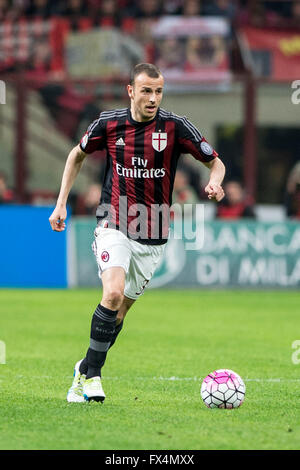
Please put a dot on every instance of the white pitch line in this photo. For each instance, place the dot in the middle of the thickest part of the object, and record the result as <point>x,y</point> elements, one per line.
<point>171,379</point>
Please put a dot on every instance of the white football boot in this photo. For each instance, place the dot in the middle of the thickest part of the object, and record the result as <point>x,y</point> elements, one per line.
<point>75,393</point>
<point>92,389</point>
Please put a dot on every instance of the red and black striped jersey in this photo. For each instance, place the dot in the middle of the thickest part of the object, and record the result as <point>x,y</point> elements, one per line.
<point>140,170</point>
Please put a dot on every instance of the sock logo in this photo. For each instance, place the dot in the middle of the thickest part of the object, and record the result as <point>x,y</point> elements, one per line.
<point>105,256</point>
<point>104,331</point>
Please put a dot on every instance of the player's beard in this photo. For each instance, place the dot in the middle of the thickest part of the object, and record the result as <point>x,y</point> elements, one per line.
<point>151,111</point>
<point>141,111</point>
<point>148,114</point>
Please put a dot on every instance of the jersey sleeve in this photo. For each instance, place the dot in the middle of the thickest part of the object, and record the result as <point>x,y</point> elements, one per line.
<point>94,138</point>
<point>191,141</point>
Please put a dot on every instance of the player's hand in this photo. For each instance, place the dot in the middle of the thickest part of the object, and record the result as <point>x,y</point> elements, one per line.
<point>57,219</point>
<point>214,192</point>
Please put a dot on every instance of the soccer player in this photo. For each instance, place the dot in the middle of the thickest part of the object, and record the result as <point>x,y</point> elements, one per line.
<point>143,144</point>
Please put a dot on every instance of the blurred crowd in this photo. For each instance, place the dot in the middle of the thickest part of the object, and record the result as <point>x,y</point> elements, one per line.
<point>189,189</point>
<point>254,12</point>
<point>189,184</point>
<point>33,32</point>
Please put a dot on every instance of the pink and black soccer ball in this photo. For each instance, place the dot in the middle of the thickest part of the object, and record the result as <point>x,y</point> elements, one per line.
<point>223,388</point>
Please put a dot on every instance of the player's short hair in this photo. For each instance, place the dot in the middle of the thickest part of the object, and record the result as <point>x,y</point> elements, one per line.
<point>149,69</point>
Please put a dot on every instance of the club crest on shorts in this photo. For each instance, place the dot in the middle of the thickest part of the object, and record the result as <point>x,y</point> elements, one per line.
<point>105,256</point>
<point>159,141</point>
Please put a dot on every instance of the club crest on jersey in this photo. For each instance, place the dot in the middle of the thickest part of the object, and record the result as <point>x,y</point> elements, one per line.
<point>159,141</point>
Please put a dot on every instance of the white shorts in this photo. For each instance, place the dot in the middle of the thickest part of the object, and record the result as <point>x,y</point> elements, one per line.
<point>113,249</point>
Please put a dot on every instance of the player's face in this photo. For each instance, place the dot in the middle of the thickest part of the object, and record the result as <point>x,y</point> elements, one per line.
<point>146,95</point>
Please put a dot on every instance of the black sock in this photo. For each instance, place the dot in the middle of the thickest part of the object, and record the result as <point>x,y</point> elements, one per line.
<point>117,331</point>
<point>102,331</point>
<point>83,368</point>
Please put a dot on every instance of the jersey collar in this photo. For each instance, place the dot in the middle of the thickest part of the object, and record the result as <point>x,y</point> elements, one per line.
<point>138,123</point>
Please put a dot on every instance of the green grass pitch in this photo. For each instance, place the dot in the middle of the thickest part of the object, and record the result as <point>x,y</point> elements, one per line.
<point>171,340</point>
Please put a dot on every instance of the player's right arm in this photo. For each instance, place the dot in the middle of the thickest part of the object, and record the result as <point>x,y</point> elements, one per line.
<point>73,165</point>
<point>93,139</point>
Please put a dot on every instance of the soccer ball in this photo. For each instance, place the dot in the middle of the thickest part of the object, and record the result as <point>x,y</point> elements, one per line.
<point>223,388</point>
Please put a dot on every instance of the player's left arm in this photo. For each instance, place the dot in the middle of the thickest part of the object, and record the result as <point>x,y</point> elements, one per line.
<point>214,188</point>
<point>192,141</point>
